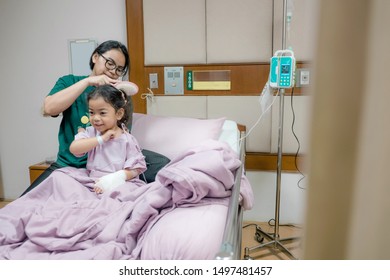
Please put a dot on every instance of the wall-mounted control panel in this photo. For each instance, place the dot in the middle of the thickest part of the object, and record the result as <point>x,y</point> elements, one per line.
<point>174,80</point>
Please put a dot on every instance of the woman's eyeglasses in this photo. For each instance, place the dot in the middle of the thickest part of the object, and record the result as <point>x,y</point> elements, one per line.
<point>111,65</point>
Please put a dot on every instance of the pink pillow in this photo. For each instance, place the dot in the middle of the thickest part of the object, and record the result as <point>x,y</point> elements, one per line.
<point>170,136</point>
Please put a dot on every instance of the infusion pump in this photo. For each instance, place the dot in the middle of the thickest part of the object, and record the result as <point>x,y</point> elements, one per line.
<point>282,69</point>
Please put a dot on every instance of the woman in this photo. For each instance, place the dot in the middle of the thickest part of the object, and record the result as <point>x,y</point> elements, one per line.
<point>108,62</point>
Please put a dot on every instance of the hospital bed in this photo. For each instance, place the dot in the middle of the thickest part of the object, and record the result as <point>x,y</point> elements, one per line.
<point>204,231</point>
<point>193,210</point>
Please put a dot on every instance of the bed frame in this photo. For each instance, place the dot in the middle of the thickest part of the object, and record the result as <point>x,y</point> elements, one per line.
<point>231,242</point>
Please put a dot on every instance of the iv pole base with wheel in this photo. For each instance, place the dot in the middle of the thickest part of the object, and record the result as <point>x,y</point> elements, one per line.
<point>275,238</point>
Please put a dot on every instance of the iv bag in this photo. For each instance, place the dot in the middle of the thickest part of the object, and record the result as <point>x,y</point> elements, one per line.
<point>265,98</point>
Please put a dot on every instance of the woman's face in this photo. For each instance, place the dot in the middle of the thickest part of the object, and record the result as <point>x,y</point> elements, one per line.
<point>113,59</point>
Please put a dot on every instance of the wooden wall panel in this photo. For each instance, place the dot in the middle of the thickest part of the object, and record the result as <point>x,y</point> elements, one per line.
<point>245,79</point>
<point>268,162</point>
<point>135,43</point>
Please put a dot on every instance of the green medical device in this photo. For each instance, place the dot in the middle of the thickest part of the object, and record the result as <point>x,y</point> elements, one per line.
<point>282,69</point>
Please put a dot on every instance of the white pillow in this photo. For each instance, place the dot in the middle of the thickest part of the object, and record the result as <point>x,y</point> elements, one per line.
<point>170,136</point>
<point>231,135</point>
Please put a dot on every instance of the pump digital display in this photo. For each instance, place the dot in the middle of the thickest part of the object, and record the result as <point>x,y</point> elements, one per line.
<point>285,69</point>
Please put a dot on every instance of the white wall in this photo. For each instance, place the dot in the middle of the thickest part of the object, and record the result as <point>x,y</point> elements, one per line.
<point>292,197</point>
<point>33,54</point>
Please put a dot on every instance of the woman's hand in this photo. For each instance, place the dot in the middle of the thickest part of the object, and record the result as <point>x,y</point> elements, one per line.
<point>101,80</point>
<point>62,100</point>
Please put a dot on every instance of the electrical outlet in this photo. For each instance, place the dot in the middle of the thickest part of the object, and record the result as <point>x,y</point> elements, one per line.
<point>153,80</point>
<point>303,77</point>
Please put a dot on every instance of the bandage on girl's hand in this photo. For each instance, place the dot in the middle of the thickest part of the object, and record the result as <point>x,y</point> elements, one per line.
<point>110,181</point>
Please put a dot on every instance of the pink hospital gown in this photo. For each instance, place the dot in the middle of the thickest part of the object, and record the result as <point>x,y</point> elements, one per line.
<point>113,155</point>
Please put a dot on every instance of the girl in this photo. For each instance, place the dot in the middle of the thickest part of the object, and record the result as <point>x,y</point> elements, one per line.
<point>114,155</point>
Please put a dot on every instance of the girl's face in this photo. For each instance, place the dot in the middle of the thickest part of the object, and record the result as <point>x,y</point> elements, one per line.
<point>113,58</point>
<point>103,116</point>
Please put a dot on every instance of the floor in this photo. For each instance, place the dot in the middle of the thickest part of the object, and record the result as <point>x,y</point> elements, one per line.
<point>269,252</point>
<point>3,203</point>
<point>274,250</point>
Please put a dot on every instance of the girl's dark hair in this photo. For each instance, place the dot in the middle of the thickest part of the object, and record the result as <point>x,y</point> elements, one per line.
<point>117,99</point>
<point>109,45</point>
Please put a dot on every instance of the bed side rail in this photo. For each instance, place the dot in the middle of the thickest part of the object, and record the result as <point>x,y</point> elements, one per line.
<point>231,243</point>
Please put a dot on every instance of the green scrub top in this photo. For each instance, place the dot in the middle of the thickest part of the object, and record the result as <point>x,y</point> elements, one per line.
<point>72,118</point>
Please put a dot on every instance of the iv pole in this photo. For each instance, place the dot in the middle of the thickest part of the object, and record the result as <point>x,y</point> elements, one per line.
<point>275,238</point>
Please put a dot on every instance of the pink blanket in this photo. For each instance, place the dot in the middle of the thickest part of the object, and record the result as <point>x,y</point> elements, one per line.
<point>63,219</point>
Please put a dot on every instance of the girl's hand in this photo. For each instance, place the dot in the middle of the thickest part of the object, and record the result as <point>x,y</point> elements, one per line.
<point>97,190</point>
<point>110,181</point>
<point>131,173</point>
<point>101,80</point>
<point>108,135</point>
